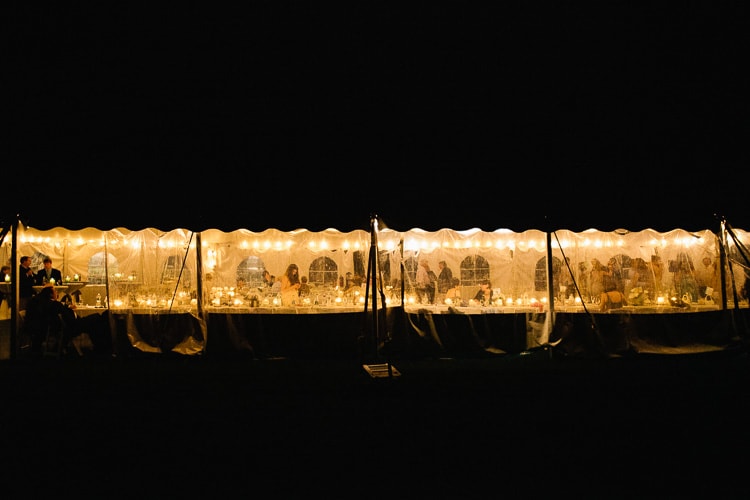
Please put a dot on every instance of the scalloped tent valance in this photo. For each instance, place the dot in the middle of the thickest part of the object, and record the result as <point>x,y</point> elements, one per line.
<point>345,216</point>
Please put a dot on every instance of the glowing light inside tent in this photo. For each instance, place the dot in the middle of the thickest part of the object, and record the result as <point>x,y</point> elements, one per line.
<point>211,259</point>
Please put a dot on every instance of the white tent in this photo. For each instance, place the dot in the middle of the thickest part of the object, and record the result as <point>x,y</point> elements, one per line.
<point>162,273</point>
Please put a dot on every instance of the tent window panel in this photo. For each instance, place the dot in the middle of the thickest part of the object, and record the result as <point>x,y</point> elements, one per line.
<point>323,271</point>
<point>410,273</point>
<point>384,265</point>
<point>173,271</point>
<point>540,274</point>
<point>97,268</point>
<point>474,269</point>
<point>384,259</point>
<point>359,262</point>
<point>250,271</point>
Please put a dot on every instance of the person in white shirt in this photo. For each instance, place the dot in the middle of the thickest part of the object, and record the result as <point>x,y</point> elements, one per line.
<point>275,284</point>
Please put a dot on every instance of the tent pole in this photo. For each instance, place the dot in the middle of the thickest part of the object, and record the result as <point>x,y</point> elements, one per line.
<point>549,322</point>
<point>723,264</point>
<point>376,370</point>
<point>15,313</point>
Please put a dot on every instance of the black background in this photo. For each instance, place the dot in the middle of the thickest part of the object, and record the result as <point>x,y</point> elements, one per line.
<point>295,115</point>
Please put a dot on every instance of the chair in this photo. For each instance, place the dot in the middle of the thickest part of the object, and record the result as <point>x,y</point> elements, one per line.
<point>54,337</point>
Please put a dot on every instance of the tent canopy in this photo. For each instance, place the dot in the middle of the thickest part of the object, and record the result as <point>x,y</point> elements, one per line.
<point>349,216</point>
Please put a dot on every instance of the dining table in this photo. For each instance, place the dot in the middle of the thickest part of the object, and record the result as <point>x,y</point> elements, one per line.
<point>61,289</point>
<point>66,288</point>
<point>74,286</point>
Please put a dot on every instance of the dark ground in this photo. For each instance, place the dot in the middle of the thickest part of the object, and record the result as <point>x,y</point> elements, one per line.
<point>520,426</point>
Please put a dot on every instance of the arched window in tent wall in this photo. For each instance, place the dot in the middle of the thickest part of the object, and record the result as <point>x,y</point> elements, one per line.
<point>98,267</point>
<point>251,271</point>
<point>323,271</point>
<point>474,269</point>
<point>540,272</point>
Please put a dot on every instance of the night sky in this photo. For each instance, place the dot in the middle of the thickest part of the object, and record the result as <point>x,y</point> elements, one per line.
<point>291,115</point>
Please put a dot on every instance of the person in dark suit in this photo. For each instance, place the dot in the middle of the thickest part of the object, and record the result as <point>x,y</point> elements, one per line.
<point>444,279</point>
<point>48,273</point>
<point>26,280</point>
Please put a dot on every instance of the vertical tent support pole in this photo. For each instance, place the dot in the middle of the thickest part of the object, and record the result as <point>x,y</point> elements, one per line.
<point>15,315</point>
<point>372,342</point>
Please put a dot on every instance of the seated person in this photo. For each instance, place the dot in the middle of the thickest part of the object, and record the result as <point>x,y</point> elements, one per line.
<point>484,294</point>
<point>454,292</point>
<point>267,281</point>
<point>275,284</point>
<point>612,298</point>
<point>45,311</point>
<point>304,288</point>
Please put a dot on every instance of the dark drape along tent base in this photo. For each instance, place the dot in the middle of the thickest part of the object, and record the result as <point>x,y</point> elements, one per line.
<point>626,334</point>
<point>301,336</point>
<point>422,335</point>
<point>184,293</point>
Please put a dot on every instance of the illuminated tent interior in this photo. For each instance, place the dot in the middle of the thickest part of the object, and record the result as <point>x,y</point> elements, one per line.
<point>161,295</point>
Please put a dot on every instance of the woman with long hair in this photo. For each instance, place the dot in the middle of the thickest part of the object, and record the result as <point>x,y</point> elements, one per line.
<point>290,284</point>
